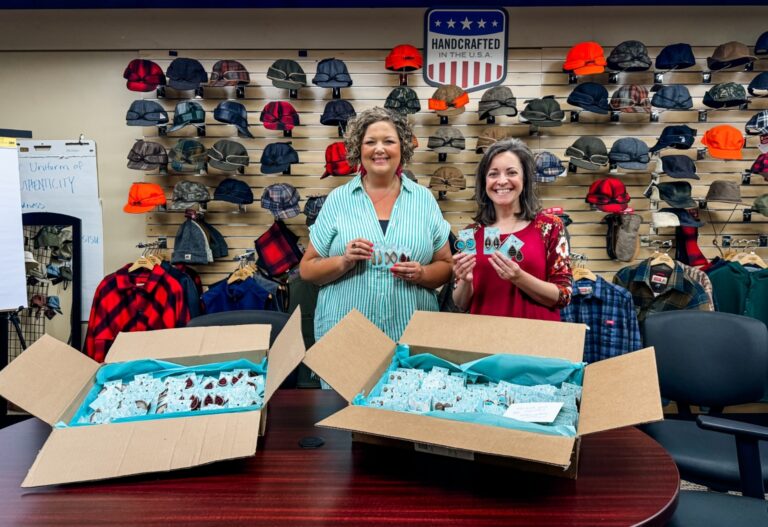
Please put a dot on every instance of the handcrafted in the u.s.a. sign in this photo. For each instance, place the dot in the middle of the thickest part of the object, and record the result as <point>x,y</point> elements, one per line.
<point>465,47</point>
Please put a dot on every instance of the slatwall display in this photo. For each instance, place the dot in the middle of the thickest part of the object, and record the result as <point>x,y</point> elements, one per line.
<point>532,73</point>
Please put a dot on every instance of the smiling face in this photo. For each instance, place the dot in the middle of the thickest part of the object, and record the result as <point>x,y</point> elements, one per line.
<point>504,181</point>
<point>380,152</point>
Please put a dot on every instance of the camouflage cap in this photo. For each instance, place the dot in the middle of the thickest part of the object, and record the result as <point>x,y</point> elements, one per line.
<point>403,99</point>
<point>725,95</point>
<point>630,55</point>
<point>187,193</point>
<point>188,155</point>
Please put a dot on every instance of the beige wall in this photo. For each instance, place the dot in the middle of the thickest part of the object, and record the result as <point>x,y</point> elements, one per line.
<point>62,70</point>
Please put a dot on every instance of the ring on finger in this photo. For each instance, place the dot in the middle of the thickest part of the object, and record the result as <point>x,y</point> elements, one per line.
<point>354,245</point>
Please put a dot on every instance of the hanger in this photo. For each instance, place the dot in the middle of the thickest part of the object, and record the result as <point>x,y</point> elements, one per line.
<point>662,258</point>
<point>580,271</point>
<point>244,271</point>
<point>142,262</point>
<point>750,258</point>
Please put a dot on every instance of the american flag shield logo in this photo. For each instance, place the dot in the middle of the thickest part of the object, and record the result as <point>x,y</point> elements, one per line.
<point>465,47</point>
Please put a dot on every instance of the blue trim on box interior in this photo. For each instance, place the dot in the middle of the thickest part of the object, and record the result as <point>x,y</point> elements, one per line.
<point>344,4</point>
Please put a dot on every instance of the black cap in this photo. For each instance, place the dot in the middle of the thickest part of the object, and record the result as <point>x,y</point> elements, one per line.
<point>679,167</point>
<point>759,85</point>
<point>337,112</point>
<point>677,194</point>
<point>675,57</point>
<point>278,157</point>
<point>234,191</point>
<point>590,96</point>
<point>675,136</point>
<point>761,46</point>
<point>186,74</point>
<point>332,73</point>
<point>672,97</point>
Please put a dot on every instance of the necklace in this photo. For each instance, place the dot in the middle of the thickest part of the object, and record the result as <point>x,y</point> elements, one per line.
<point>389,190</point>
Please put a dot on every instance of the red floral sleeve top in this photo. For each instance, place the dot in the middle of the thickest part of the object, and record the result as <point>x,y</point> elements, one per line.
<point>545,255</point>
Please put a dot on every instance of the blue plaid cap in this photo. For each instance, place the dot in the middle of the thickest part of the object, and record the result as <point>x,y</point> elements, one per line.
<point>548,167</point>
<point>282,200</point>
<point>312,208</point>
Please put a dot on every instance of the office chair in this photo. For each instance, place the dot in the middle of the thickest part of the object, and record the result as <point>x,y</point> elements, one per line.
<point>711,360</point>
<point>705,509</point>
<point>248,316</point>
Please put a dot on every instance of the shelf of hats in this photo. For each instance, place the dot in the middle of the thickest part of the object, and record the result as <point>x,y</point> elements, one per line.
<point>607,114</point>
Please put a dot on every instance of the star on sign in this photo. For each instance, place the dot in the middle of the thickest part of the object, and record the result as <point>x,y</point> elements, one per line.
<point>437,23</point>
<point>481,23</point>
<point>465,23</point>
<point>495,23</point>
<point>451,23</point>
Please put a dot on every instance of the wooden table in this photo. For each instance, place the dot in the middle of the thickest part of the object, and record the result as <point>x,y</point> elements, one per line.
<point>625,478</point>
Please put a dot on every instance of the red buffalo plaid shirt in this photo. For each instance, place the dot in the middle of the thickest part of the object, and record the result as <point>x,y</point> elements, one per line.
<point>138,301</point>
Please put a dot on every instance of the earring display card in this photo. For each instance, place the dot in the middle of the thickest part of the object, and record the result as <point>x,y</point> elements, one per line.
<point>385,255</point>
<point>466,241</point>
<point>512,247</point>
<point>491,240</point>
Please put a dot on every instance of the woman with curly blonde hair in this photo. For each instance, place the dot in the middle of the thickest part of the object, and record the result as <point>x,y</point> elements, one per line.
<point>379,207</point>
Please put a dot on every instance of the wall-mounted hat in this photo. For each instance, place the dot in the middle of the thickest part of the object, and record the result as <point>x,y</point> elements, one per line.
<point>233,112</point>
<point>147,155</point>
<point>312,208</point>
<point>229,73</point>
<point>724,192</point>
<point>143,197</point>
<point>631,99</point>
<point>761,46</point>
<point>585,58</point>
<point>234,191</point>
<point>447,179</point>
<point>498,100</point>
<point>188,155</point>
<point>675,57</point>
<point>187,194</point>
<point>608,194</point>
<point>672,97</point>
<point>630,55</point>
<point>675,136</point>
<point>336,163</point>
<point>187,112</point>
<point>543,112</point>
<point>403,58</point>
<point>678,167</point>
<point>332,73</point>
<point>287,73</point>
<point>228,156</point>
<point>448,100</point>
<point>588,152</point>
<point>146,113</point>
<point>677,194</point>
<point>590,96</point>
<point>491,134</point>
<point>403,99</point>
<point>282,200</point>
<point>337,112</point>
<point>730,55</point>
<point>548,167</point>
<point>191,245</point>
<point>725,95</point>
<point>684,217</point>
<point>630,153</point>
<point>277,158</point>
<point>761,205</point>
<point>186,74</point>
<point>279,115</point>
<point>759,85</point>
<point>757,124</point>
<point>143,75</point>
<point>724,142</point>
<point>446,140</point>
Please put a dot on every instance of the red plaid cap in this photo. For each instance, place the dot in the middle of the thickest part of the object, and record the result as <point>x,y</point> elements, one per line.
<point>229,73</point>
<point>278,115</point>
<point>609,194</point>
<point>143,75</point>
<point>336,161</point>
<point>760,166</point>
<point>631,99</point>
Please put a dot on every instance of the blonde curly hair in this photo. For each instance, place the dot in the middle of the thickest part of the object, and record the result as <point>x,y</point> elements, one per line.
<point>359,124</point>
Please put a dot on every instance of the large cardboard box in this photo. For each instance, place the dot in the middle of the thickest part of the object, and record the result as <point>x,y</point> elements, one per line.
<point>353,356</point>
<point>50,380</point>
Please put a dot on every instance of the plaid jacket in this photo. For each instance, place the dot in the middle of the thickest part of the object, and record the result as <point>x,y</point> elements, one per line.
<point>609,313</point>
<point>138,301</point>
<point>277,250</point>
<point>681,292</point>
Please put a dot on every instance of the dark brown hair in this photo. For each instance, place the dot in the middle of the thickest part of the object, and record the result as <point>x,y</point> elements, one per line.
<point>529,202</point>
<point>359,124</point>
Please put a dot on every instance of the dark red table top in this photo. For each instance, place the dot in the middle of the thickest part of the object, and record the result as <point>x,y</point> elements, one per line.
<point>625,478</point>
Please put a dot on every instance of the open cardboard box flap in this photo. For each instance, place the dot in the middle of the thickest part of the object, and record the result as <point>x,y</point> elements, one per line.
<point>350,355</point>
<point>60,376</point>
<point>550,449</point>
<point>621,391</point>
<point>46,378</point>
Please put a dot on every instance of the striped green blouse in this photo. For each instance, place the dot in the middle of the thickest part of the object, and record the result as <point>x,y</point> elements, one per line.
<point>416,223</point>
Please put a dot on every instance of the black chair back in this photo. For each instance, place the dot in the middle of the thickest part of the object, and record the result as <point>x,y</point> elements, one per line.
<point>709,358</point>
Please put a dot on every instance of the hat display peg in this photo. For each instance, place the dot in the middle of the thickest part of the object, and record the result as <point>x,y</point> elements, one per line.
<point>745,105</point>
<point>442,158</point>
<point>490,119</point>
<point>287,171</point>
<point>199,92</point>
<point>443,119</point>
<point>703,116</point>
<point>162,131</point>
<point>287,133</point>
<point>746,177</point>
<point>160,92</point>
<point>726,240</point>
<point>572,78</point>
<point>615,116</point>
<point>613,77</point>
<point>572,168</point>
<point>701,153</point>
<point>574,116</point>
<point>746,215</point>
<point>293,94</point>
<point>534,131</point>
<point>341,130</point>
<point>403,79</point>
<point>658,77</point>
<point>749,67</point>
<point>240,92</point>
<point>336,93</point>
<point>655,116</point>
<point>201,130</point>
<point>762,240</point>
<point>441,193</point>
<point>706,77</point>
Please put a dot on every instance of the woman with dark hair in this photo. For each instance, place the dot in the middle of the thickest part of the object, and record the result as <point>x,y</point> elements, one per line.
<point>377,207</point>
<point>532,279</point>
